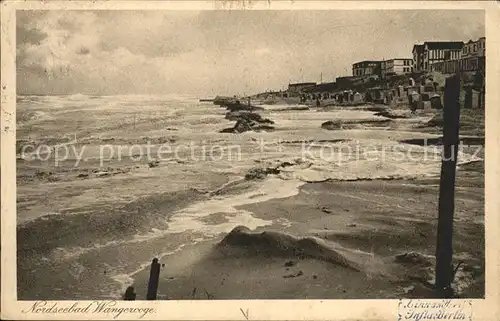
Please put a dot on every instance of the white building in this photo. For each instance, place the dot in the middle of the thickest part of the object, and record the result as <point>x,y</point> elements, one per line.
<point>397,66</point>
<point>439,51</point>
<point>474,48</point>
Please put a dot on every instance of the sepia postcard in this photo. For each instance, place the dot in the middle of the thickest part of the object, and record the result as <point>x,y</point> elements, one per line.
<point>250,160</point>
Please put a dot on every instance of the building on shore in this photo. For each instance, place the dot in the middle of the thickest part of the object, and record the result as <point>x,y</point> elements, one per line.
<point>472,58</point>
<point>396,66</point>
<point>473,55</point>
<point>438,51</point>
<point>418,58</point>
<point>474,48</point>
<point>367,68</point>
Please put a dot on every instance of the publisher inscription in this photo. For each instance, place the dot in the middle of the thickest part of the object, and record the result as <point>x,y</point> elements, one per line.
<point>114,309</point>
<point>446,309</point>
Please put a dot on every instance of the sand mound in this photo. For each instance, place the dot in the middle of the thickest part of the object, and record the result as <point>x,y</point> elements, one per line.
<point>437,120</point>
<point>394,114</point>
<point>274,168</point>
<point>247,121</point>
<point>270,243</point>
<point>377,108</point>
<point>360,124</point>
<point>260,173</point>
<point>247,116</point>
<point>332,125</point>
<point>414,258</point>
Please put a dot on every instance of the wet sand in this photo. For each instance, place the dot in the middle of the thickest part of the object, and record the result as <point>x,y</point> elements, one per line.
<point>371,222</point>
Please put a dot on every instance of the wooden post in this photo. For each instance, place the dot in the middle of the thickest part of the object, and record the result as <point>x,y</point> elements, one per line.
<point>444,249</point>
<point>76,129</point>
<point>154,277</point>
<point>129,294</point>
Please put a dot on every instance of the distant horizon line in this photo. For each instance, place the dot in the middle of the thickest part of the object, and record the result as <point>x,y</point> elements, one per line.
<point>93,94</point>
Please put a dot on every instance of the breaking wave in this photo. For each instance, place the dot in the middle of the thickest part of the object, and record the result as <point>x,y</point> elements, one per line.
<point>390,161</point>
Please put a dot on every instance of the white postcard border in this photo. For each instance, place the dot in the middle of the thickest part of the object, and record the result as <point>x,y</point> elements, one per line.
<point>482,309</point>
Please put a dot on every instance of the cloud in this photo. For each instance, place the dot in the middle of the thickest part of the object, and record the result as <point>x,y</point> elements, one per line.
<point>214,52</point>
<point>262,51</point>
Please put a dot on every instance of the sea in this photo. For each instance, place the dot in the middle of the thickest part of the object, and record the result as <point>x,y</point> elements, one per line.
<point>106,183</point>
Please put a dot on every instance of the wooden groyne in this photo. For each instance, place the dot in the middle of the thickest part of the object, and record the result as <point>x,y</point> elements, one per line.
<point>154,278</point>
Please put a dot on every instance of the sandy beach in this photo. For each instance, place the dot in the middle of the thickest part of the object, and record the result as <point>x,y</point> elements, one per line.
<point>371,223</point>
<point>89,230</point>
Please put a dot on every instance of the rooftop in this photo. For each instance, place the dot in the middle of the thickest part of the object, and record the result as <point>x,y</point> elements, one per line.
<point>472,41</point>
<point>399,59</point>
<point>302,84</point>
<point>433,45</point>
<point>418,48</point>
<point>367,62</point>
<point>324,87</point>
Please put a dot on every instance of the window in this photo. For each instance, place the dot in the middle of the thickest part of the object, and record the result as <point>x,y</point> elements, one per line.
<point>475,47</point>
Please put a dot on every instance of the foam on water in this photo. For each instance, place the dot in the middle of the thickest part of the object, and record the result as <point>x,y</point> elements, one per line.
<point>375,160</point>
<point>126,279</point>
<point>62,253</point>
<point>189,219</point>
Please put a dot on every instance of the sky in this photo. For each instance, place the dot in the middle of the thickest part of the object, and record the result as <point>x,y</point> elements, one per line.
<point>205,53</point>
